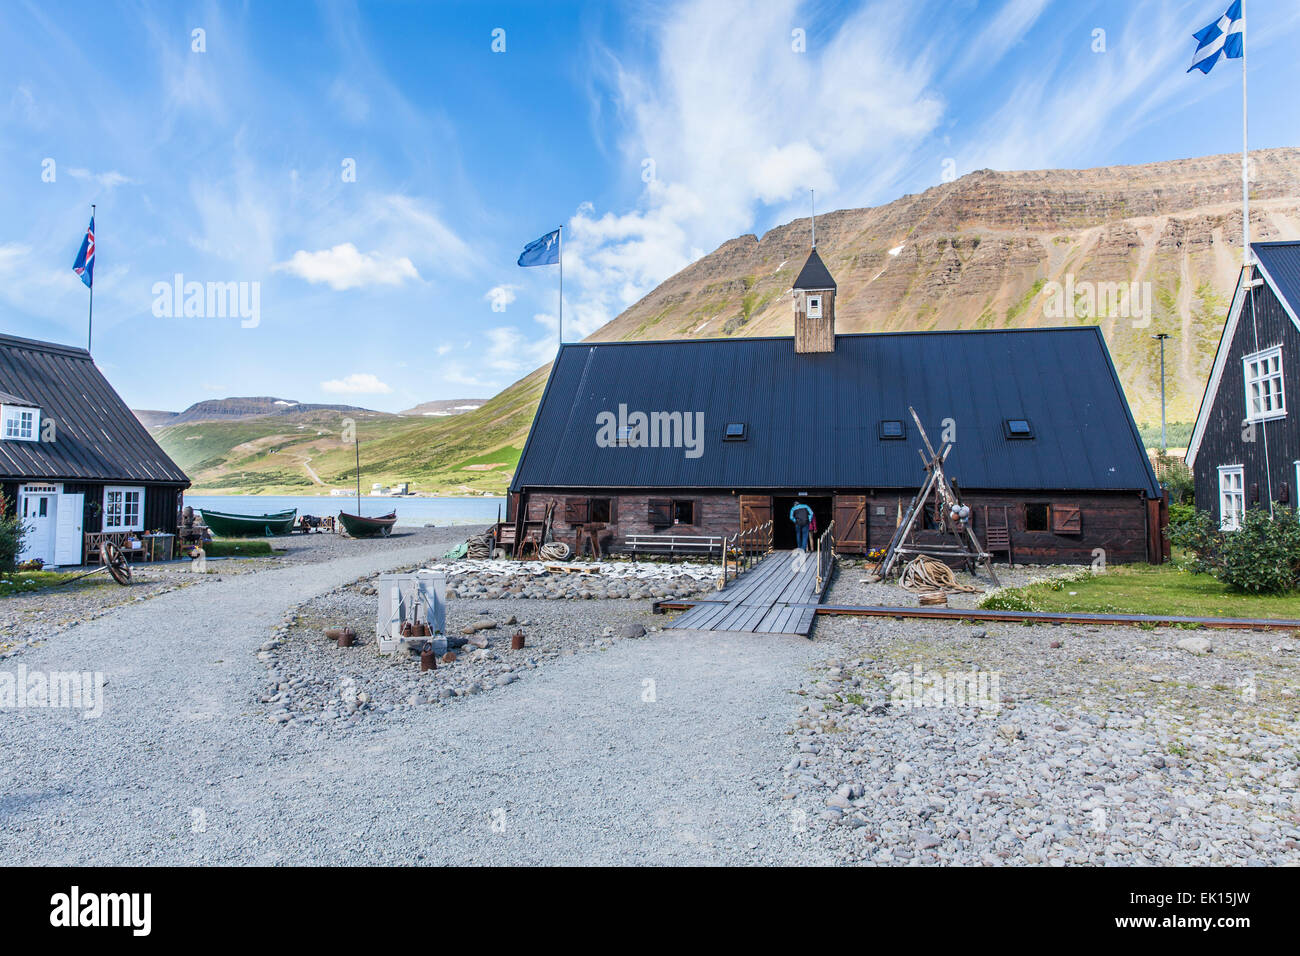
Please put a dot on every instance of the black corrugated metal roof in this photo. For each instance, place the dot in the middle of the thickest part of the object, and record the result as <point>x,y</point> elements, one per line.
<point>1282,262</point>
<point>814,274</point>
<point>97,438</point>
<point>812,418</point>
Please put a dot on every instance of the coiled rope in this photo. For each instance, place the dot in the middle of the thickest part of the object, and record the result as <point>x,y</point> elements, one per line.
<point>555,551</point>
<point>926,575</point>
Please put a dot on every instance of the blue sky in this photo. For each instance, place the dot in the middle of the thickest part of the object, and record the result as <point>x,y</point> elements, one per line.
<point>653,131</point>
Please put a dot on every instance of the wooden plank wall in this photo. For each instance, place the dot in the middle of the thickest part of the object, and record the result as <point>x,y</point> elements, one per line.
<point>1117,523</point>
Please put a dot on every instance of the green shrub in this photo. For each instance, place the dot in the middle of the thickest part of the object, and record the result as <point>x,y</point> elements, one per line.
<point>11,536</point>
<point>1174,474</point>
<point>1260,557</point>
<point>1005,600</point>
<point>1180,513</point>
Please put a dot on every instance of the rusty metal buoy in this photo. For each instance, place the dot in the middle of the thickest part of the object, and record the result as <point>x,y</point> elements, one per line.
<point>517,641</point>
<point>347,638</point>
<point>428,661</point>
<point>448,657</point>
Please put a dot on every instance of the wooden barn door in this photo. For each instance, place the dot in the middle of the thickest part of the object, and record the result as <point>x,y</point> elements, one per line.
<point>851,524</point>
<point>754,511</point>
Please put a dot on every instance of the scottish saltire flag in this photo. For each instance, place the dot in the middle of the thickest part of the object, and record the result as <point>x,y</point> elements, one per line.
<point>85,264</point>
<point>542,252</point>
<point>1223,37</point>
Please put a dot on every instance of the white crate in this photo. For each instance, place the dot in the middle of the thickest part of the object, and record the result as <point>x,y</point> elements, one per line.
<point>419,596</point>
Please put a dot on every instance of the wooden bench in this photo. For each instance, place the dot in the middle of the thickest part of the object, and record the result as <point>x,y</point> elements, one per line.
<point>674,544</point>
<point>95,544</point>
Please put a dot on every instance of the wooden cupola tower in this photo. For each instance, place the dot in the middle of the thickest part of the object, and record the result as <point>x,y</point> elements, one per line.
<point>814,307</point>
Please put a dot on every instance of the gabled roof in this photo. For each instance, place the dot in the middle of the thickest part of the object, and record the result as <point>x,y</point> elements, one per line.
<point>812,420</point>
<point>1279,267</point>
<point>96,437</point>
<point>814,275</point>
<point>1279,263</point>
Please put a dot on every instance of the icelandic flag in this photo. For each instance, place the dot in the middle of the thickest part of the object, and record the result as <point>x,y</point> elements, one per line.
<point>1223,37</point>
<point>85,264</point>
<point>542,252</point>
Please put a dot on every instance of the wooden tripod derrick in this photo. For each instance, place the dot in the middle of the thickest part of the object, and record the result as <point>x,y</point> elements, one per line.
<point>938,490</point>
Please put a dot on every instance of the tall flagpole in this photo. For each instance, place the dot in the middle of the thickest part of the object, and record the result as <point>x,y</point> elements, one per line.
<point>560,234</point>
<point>1245,161</point>
<point>90,318</point>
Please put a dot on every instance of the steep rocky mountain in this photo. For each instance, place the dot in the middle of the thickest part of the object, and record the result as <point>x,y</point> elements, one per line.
<point>1013,249</point>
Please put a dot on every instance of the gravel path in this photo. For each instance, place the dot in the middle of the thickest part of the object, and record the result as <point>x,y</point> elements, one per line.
<point>656,750</point>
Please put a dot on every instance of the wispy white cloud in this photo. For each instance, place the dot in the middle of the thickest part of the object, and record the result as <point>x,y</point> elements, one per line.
<point>358,383</point>
<point>345,267</point>
<point>108,180</point>
<point>736,123</point>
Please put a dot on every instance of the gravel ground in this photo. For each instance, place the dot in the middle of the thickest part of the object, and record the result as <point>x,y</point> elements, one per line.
<point>1095,745</point>
<point>29,618</point>
<point>591,745</point>
<point>654,750</point>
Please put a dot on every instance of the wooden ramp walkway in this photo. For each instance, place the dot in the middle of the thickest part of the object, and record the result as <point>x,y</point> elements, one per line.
<point>773,597</point>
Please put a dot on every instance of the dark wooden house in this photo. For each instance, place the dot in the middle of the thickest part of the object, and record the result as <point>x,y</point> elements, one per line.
<point>1245,448</point>
<point>706,436</point>
<point>74,461</point>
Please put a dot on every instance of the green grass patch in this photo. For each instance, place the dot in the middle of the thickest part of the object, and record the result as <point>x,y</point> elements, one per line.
<point>27,582</point>
<point>236,548</point>
<point>1165,589</point>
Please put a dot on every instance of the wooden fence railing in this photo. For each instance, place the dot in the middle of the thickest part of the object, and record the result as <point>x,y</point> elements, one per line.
<point>824,546</point>
<point>743,548</point>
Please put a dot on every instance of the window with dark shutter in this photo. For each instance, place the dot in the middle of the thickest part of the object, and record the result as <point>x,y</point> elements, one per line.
<point>660,513</point>
<point>1067,519</point>
<point>576,510</point>
<point>684,512</point>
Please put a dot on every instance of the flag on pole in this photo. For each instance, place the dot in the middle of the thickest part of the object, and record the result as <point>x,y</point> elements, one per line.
<point>1221,38</point>
<point>85,264</point>
<point>542,252</point>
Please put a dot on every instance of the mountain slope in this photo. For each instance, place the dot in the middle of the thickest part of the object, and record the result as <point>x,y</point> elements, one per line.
<point>979,252</point>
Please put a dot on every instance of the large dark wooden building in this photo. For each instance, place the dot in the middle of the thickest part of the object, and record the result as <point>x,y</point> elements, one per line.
<point>706,436</point>
<point>1245,448</point>
<point>74,461</point>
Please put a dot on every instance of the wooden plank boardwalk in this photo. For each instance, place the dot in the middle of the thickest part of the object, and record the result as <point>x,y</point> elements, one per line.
<point>773,597</point>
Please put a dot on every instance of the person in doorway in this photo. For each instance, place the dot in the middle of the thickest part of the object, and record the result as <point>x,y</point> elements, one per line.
<point>802,517</point>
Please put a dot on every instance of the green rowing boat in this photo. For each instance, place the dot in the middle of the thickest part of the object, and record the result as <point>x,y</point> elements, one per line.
<point>227,525</point>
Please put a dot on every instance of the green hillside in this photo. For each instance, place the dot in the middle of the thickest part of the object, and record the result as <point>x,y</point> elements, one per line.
<point>473,453</point>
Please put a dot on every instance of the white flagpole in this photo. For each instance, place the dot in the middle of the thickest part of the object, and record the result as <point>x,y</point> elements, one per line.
<point>90,315</point>
<point>560,238</point>
<point>1245,160</point>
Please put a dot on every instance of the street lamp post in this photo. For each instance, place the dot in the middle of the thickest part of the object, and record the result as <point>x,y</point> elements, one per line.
<point>1164,435</point>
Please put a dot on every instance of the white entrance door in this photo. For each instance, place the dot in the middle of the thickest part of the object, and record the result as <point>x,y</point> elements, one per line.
<point>38,507</point>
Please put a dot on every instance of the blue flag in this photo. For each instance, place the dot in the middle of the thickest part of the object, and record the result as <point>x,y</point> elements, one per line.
<point>542,252</point>
<point>85,264</point>
<point>1223,37</point>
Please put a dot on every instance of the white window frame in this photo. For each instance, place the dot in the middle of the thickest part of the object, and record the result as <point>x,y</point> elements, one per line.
<point>1227,520</point>
<point>1254,380</point>
<point>9,414</point>
<point>814,306</point>
<point>138,524</point>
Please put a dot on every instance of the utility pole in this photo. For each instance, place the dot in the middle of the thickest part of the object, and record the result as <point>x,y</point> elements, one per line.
<point>1164,435</point>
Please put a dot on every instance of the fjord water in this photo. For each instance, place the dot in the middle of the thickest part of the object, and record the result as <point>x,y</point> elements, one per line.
<point>411,512</point>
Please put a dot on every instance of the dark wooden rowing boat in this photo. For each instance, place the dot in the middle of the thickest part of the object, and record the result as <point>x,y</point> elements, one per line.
<point>360,526</point>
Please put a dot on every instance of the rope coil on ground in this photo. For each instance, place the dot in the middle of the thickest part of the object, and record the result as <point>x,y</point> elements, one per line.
<point>927,575</point>
<point>554,551</point>
<point>479,546</point>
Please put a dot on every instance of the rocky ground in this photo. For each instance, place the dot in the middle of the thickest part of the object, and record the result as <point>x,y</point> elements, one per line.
<point>1090,745</point>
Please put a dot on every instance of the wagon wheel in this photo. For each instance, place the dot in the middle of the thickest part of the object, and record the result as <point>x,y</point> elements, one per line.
<point>111,557</point>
